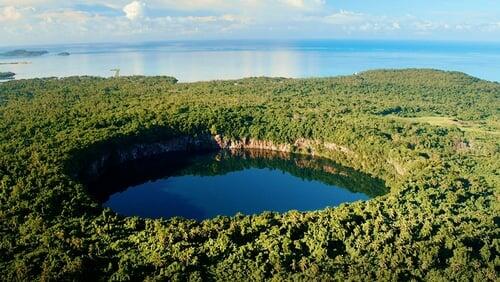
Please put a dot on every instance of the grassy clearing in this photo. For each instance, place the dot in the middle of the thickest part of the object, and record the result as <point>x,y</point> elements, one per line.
<point>491,127</point>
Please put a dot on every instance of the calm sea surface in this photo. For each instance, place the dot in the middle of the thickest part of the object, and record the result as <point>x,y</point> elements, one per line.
<point>208,60</point>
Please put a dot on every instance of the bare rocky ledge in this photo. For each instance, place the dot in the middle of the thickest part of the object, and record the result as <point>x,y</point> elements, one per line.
<point>205,142</point>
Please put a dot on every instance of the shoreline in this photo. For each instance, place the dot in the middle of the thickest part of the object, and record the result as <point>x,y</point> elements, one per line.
<point>237,79</point>
<point>15,63</point>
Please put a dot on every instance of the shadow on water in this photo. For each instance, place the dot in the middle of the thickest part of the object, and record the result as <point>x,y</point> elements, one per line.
<point>160,186</point>
<point>147,203</point>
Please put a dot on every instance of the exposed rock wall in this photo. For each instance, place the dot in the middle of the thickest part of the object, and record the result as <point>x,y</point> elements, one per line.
<point>203,142</point>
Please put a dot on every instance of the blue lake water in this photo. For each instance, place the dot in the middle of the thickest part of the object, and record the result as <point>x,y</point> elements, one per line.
<point>208,60</point>
<point>248,191</point>
<point>221,183</point>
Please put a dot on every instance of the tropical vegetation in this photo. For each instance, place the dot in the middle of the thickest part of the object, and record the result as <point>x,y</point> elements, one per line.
<point>438,221</point>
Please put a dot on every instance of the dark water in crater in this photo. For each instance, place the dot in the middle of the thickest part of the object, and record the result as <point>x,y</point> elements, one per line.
<point>206,185</point>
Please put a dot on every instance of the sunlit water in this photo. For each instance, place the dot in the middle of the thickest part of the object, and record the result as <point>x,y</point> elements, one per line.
<point>211,184</point>
<point>207,60</point>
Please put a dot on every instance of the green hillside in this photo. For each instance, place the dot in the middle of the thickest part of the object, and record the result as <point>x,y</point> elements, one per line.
<point>431,136</point>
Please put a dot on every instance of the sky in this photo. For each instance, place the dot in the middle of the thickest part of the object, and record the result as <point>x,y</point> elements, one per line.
<point>28,22</point>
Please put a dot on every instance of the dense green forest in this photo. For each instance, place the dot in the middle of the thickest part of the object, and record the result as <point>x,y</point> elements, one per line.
<point>431,136</point>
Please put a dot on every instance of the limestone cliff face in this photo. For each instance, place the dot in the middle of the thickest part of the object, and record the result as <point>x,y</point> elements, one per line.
<point>139,151</point>
<point>204,142</point>
<point>247,143</point>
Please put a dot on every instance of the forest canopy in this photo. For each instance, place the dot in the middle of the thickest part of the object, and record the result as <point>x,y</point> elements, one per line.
<point>431,136</point>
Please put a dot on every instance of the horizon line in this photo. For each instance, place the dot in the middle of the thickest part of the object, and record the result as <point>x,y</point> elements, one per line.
<point>133,42</point>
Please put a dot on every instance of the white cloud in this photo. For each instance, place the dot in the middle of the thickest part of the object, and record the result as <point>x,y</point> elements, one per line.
<point>304,4</point>
<point>9,13</point>
<point>42,21</point>
<point>134,10</point>
<point>294,3</point>
<point>67,16</point>
<point>190,25</point>
<point>344,18</point>
<point>424,25</point>
<point>493,26</point>
<point>202,5</point>
<point>256,7</point>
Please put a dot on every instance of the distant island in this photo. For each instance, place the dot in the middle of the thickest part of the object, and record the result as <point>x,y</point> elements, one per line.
<point>63,54</point>
<point>6,75</point>
<point>23,53</point>
<point>15,63</point>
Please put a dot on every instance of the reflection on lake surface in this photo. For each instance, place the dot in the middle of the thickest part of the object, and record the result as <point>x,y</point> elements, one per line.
<point>207,60</point>
<point>206,185</point>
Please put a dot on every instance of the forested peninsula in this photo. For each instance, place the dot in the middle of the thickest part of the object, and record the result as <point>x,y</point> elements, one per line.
<point>431,136</point>
<point>7,75</point>
<point>23,53</point>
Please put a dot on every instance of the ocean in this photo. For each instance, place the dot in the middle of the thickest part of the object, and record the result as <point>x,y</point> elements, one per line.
<point>209,60</point>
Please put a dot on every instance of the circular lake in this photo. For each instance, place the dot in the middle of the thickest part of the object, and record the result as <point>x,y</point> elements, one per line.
<point>201,186</point>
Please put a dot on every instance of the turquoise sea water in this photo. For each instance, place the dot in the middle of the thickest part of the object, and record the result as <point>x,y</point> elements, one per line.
<point>208,60</point>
